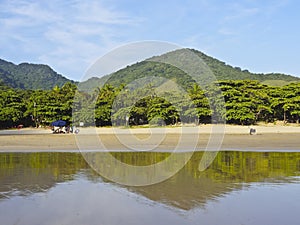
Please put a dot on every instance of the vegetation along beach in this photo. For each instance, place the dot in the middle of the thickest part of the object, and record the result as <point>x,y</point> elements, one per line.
<point>248,98</point>
<point>267,103</point>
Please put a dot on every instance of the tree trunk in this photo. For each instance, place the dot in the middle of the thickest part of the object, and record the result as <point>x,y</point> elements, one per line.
<point>284,116</point>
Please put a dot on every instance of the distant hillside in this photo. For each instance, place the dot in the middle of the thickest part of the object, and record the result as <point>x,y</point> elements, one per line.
<point>30,76</point>
<point>278,83</point>
<point>37,76</point>
<point>220,69</point>
<point>226,72</point>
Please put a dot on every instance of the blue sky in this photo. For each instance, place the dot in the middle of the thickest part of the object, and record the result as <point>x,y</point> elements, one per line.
<point>261,36</point>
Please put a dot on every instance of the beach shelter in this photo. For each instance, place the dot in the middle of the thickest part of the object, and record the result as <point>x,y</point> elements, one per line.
<point>59,123</point>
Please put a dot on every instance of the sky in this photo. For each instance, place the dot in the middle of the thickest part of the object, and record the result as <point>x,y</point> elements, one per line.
<point>70,35</point>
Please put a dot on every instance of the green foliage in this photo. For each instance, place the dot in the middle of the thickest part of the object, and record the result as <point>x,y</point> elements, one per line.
<point>246,102</point>
<point>103,106</point>
<point>12,107</point>
<point>54,104</point>
<point>30,76</point>
<point>150,69</point>
<point>33,108</point>
<point>222,71</point>
<point>276,83</point>
<point>146,92</point>
<point>154,67</point>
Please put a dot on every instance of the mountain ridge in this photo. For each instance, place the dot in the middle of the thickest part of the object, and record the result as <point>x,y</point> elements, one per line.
<point>219,69</point>
<point>30,76</point>
<point>41,76</point>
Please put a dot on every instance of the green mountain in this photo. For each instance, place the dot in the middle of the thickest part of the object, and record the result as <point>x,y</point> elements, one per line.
<point>30,76</point>
<point>219,69</point>
<point>38,76</point>
<point>226,72</point>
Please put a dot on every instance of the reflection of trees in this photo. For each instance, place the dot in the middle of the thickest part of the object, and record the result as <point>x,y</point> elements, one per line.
<point>26,173</point>
<point>23,174</point>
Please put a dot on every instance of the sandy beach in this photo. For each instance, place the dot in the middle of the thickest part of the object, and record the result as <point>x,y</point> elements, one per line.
<point>267,138</point>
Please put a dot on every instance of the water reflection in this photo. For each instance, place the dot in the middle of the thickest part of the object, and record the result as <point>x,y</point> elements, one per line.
<point>26,173</point>
<point>230,171</point>
<point>22,174</point>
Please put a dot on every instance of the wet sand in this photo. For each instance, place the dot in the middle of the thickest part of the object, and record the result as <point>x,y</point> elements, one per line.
<point>275,138</point>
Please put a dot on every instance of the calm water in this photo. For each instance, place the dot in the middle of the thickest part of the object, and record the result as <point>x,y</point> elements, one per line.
<point>238,188</point>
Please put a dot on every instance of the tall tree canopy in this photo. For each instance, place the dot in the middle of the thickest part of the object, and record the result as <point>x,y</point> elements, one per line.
<point>246,102</point>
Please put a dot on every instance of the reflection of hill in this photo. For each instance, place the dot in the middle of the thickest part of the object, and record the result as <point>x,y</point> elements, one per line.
<point>229,171</point>
<point>185,192</point>
<point>23,174</point>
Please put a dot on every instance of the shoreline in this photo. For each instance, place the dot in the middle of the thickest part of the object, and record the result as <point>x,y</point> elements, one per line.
<point>235,138</point>
<point>205,129</point>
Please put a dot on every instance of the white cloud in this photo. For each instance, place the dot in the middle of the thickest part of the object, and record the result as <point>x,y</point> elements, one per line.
<point>95,12</point>
<point>65,32</point>
<point>245,16</point>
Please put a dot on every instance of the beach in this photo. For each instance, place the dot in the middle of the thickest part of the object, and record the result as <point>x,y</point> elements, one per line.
<point>199,138</point>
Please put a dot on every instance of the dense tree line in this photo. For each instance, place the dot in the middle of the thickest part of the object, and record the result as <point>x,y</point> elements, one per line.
<point>246,102</point>
<point>35,107</point>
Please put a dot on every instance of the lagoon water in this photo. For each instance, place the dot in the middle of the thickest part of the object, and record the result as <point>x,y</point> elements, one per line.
<point>238,188</point>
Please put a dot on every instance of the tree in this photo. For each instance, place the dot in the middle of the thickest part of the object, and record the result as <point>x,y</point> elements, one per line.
<point>291,105</point>
<point>103,106</point>
<point>12,108</point>
<point>246,101</point>
<point>199,106</point>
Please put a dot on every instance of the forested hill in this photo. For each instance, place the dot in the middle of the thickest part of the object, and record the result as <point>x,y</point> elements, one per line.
<point>38,76</point>
<point>221,70</point>
<point>224,71</point>
<point>30,76</point>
